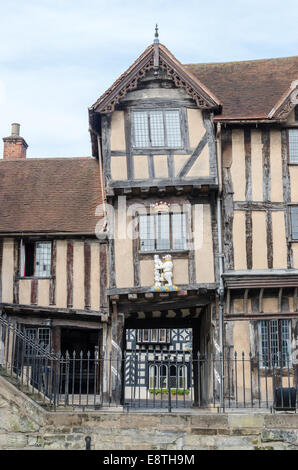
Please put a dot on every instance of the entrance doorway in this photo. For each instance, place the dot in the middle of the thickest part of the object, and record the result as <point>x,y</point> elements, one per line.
<point>73,339</point>
<point>80,367</point>
<point>159,367</point>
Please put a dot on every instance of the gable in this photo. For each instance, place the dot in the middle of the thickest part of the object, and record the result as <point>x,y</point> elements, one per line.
<point>156,57</point>
<point>286,103</point>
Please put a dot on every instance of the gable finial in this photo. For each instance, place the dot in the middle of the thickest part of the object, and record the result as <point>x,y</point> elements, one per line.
<point>156,40</point>
<point>156,51</point>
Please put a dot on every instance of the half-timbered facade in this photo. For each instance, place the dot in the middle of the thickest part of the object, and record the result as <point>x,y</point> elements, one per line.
<point>184,220</point>
<point>52,283</point>
<point>153,131</point>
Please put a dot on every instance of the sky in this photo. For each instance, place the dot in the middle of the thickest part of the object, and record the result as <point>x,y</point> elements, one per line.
<point>58,57</point>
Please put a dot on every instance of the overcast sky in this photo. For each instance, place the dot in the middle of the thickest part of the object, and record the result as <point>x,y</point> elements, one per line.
<point>58,56</point>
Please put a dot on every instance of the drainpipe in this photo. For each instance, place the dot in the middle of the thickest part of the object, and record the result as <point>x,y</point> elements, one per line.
<point>102,182</point>
<point>221,290</point>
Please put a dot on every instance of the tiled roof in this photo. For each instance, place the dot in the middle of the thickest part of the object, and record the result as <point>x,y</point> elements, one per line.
<point>49,195</point>
<point>248,89</point>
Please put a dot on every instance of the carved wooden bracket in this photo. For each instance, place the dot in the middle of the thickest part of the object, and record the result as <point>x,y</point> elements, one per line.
<point>286,104</point>
<point>203,97</point>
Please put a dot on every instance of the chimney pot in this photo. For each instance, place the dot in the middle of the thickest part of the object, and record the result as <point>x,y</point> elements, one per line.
<point>15,129</point>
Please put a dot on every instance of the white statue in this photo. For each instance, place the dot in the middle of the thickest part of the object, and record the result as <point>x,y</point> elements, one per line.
<point>157,270</point>
<point>163,274</point>
<point>167,268</point>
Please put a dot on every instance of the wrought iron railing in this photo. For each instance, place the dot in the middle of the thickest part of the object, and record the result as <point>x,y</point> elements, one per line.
<point>152,379</point>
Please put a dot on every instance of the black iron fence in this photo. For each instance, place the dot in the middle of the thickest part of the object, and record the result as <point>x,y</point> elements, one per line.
<point>152,380</point>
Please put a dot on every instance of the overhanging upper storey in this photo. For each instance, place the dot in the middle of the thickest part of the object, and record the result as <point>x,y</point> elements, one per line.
<point>153,128</point>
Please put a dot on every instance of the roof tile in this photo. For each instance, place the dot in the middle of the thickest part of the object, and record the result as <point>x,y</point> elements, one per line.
<point>49,195</point>
<point>248,89</point>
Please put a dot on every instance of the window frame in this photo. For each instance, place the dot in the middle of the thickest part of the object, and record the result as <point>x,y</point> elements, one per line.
<point>140,336</point>
<point>164,250</point>
<point>288,144</point>
<point>34,275</point>
<point>38,329</point>
<point>290,207</point>
<point>154,381</point>
<point>279,329</point>
<point>183,130</point>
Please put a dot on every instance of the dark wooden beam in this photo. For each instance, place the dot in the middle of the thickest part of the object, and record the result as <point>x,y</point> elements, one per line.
<point>256,280</point>
<point>248,177</point>
<point>129,307</point>
<point>103,266</point>
<point>34,291</point>
<point>106,145</point>
<point>228,207</point>
<point>87,274</point>
<point>69,264</point>
<point>142,290</point>
<point>259,205</point>
<point>16,271</point>
<point>197,152</point>
<point>286,184</point>
<point>52,290</point>
<point>266,164</point>
<point>50,311</point>
<point>269,239</point>
<point>209,182</point>
<point>248,236</point>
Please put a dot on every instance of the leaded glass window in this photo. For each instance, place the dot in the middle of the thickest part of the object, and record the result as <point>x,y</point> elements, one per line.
<point>161,232</point>
<point>158,376</point>
<point>294,222</point>
<point>275,343</point>
<point>156,128</point>
<point>41,336</point>
<point>35,259</point>
<point>43,259</point>
<point>293,145</point>
<point>154,335</point>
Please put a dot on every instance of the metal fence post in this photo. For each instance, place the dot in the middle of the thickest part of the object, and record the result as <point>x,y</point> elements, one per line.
<point>169,385</point>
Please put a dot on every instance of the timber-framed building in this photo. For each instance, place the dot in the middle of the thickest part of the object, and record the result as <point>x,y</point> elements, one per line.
<point>193,163</point>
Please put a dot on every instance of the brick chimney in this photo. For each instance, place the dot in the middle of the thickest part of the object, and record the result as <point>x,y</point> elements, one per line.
<point>15,147</point>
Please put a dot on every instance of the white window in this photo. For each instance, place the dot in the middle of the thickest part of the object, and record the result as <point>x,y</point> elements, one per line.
<point>43,259</point>
<point>160,232</point>
<point>156,128</point>
<point>293,145</point>
<point>36,259</point>
<point>158,376</point>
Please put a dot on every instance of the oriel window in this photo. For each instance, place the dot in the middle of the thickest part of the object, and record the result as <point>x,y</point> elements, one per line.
<point>156,128</point>
<point>160,232</point>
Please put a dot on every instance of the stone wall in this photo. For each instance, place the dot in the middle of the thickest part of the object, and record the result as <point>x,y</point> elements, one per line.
<point>25,425</point>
